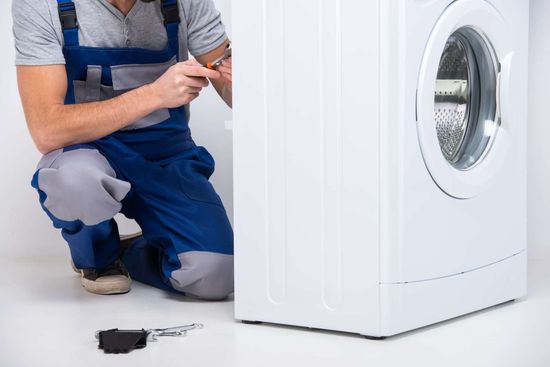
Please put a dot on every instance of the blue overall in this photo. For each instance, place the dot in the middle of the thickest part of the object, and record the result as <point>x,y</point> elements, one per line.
<point>151,172</point>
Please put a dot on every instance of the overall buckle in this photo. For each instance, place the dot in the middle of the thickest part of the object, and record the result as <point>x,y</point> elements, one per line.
<point>67,15</point>
<point>170,13</point>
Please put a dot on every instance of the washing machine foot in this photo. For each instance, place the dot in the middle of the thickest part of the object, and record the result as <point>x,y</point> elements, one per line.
<point>374,337</point>
<point>248,322</point>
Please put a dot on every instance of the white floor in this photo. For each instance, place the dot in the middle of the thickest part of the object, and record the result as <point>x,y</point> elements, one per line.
<point>46,319</point>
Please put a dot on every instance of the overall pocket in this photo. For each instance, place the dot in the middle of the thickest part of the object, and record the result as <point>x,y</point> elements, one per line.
<point>91,89</point>
<point>128,77</point>
<point>194,170</point>
<point>125,78</point>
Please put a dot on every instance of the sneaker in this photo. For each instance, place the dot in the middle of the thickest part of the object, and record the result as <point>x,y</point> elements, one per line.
<point>114,279</point>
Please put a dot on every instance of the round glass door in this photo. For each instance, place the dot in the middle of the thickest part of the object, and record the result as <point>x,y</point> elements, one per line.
<point>465,110</point>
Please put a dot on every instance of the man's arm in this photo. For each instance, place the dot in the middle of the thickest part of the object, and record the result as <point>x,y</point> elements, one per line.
<point>223,85</point>
<point>54,125</point>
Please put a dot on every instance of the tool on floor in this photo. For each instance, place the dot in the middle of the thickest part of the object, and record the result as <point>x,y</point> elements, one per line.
<point>115,341</point>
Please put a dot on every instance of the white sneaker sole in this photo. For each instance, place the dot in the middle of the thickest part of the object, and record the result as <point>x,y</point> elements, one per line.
<point>114,284</point>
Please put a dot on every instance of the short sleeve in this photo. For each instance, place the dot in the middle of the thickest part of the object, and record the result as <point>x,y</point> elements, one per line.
<point>36,40</point>
<point>205,30</point>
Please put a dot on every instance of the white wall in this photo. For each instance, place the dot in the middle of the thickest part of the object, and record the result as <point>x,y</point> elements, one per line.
<point>208,118</point>
<point>539,133</point>
<point>24,228</point>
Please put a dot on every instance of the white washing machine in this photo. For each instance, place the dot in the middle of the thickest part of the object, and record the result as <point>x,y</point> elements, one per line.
<point>380,160</point>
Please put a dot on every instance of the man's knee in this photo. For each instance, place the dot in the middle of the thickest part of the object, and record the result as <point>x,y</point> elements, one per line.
<point>205,275</point>
<point>81,185</point>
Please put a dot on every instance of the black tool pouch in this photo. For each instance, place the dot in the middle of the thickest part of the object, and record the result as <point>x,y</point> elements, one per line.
<point>122,341</point>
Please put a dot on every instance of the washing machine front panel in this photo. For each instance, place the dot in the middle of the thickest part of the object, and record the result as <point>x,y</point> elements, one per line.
<point>464,132</point>
<point>432,232</point>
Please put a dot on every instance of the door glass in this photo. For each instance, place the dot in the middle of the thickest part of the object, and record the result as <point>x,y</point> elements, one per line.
<point>465,113</point>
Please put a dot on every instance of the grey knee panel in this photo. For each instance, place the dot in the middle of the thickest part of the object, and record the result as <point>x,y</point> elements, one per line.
<point>81,185</point>
<point>205,275</point>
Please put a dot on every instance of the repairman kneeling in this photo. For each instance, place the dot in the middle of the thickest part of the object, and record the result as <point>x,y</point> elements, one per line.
<point>105,87</point>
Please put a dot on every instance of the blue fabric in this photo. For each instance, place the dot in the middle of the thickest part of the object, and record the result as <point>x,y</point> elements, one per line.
<point>171,197</point>
<point>70,34</point>
<point>172,28</point>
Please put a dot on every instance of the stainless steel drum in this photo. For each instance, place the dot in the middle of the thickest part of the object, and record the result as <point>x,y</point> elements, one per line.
<point>465,114</point>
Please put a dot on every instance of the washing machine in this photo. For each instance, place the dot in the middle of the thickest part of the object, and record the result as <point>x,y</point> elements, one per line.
<point>379,161</point>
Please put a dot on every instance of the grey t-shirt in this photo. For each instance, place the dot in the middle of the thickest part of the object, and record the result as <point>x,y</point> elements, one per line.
<point>39,38</point>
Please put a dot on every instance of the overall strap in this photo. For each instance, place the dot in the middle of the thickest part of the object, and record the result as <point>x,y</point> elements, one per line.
<point>171,15</point>
<point>69,21</point>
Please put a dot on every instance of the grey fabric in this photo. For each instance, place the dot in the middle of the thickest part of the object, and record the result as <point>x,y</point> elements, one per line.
<point>149,120</point>
<point>39,39</point>
<point>48,159</point>
<point>187,108</point>
<point>81,95</point>
<point>127,77</point>
<point>205,275</point>
<point>81,185</point>
<point>93,83</point>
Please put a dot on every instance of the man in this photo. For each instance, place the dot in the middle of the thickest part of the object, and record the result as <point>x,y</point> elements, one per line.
<point>105,87</point>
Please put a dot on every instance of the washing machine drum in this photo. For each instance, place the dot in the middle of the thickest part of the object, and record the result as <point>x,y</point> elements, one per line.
<point>465,99</point>
<point>464,110</point>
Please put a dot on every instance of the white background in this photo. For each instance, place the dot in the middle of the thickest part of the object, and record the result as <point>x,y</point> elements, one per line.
<point>26,231</point>
<point>539,131</point>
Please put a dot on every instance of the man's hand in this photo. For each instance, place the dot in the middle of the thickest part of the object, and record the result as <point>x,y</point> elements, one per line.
<point>223,85</point>
<point>182,83</point>
<point>54,125</point>
<point>226,69</point>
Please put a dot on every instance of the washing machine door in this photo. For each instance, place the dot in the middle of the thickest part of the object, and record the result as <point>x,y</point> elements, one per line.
<point>463,124</point>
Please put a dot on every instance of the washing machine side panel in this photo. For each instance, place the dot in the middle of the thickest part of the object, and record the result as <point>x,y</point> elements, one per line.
<point>306,163</point>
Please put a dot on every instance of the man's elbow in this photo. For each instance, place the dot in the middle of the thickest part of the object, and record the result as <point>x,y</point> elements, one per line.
<point>42,128</point>
<point>44,141</point>
<point>45,149</point>
<point>44,146</point>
